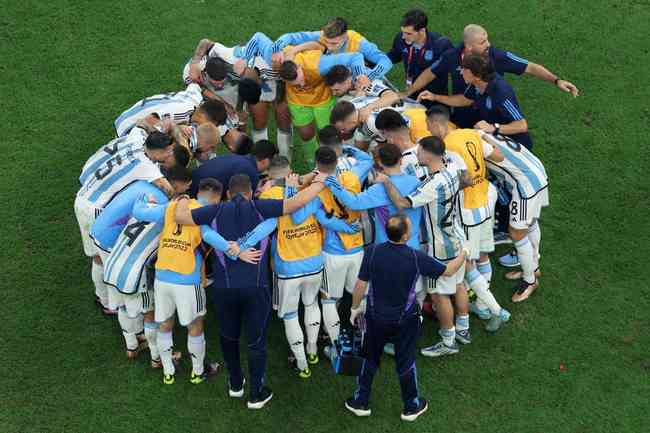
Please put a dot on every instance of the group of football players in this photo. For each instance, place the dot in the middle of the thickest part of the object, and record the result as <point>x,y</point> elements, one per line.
<point>452,152</point>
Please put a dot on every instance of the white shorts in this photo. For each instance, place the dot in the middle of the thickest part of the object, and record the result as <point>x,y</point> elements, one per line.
<point>341,271</point>
<point>188,301</point>
<point>86,214</point>
<point>287,292</point>
<point>135,304</point>
<point>269,91</point>
<point>524,211</point>
<point>479,238</point>
<point>493,196</point>
<point>446,285</point>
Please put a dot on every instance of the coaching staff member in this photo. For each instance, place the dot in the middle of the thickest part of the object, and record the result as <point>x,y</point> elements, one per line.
<point>393,314</point>
<point>418,48</point>
<point>241,292</point>
<point>224,167</point>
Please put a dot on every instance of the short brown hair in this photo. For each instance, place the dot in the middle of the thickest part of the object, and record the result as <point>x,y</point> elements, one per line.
<point>341,111</point>
<point>288,70</point>
<point>335,28</point>
<point>480,66</point>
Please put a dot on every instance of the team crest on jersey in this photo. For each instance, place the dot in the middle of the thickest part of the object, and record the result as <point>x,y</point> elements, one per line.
<point>488,103</point>
<point>428,55</point>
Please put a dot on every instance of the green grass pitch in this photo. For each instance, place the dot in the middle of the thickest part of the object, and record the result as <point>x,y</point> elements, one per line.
<point>68,68</point>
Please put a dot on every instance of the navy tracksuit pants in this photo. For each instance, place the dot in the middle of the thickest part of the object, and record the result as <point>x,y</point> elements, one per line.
<point>403,334</point>
<point>249,308</point>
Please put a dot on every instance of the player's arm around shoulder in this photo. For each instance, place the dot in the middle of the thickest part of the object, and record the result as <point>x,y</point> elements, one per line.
<point>145,209</point>
<point>395,196</point>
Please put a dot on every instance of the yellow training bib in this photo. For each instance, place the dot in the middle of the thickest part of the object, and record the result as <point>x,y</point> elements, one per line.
<point>467,144</point>
<point>417,123</point>
<point>349,181</point>
<point>295,241</point>
<point>178,242</point>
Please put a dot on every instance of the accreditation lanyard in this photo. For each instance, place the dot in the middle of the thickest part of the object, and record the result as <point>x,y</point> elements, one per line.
<point>409,61</point>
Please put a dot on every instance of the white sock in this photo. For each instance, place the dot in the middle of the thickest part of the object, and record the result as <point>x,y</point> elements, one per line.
<point>331,319</point>
<point>260,134</point>
<point>480,304</point>
<point>462,322</point>
<point>165,346</point>
<point>151,334</point>
<point>478,283</point>
<point>295,338</point>
<point>97,275</point>
<point>196,349</point>
<point>535,237</point>
<point>129,328</point>
<point>312,326</point>
<point>525,253</point>
<point>448,336</point>
<point>285,140</point>
<point>485,268</point>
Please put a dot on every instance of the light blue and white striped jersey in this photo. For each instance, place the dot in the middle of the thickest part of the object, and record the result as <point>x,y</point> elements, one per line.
<point>177,106</point>
<point>437,195</point>
<point>116,173</point>
<point>410,164</point>
<point>109,224</point>
<point>124,268</point>
<point>257,53</point>
<point>134,140</point>
<point>368,132</point>
<point>372,92</point>
<point>520,169</point>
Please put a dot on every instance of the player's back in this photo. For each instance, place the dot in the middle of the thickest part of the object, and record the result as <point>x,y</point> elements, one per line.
<point>177,106</point>
<point>296,247</point>
<point>440,214</point>
<point>136,244</point>
<point>134,140</point>
<point>116,173</point>
<point>405,184</point>
<point>520,168</point>
<point>109,224</point>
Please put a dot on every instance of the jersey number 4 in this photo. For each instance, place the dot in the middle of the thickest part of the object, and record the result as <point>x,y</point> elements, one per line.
<point>132,231</point>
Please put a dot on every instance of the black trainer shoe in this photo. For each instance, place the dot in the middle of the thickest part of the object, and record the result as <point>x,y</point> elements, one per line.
<point>412,415</point>
<point>264,397</point>
<point>357,408</point>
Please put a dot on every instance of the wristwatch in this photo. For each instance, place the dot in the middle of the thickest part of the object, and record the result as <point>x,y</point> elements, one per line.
<point>497,127</point>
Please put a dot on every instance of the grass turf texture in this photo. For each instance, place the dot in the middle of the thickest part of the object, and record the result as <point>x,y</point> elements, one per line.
<point>69,68</point>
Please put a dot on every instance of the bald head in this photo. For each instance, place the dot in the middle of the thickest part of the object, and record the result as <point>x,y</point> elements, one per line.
<point>473,31</point>
<point>475,38</point>
<point>207,137</point>
<point>398,228</point>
